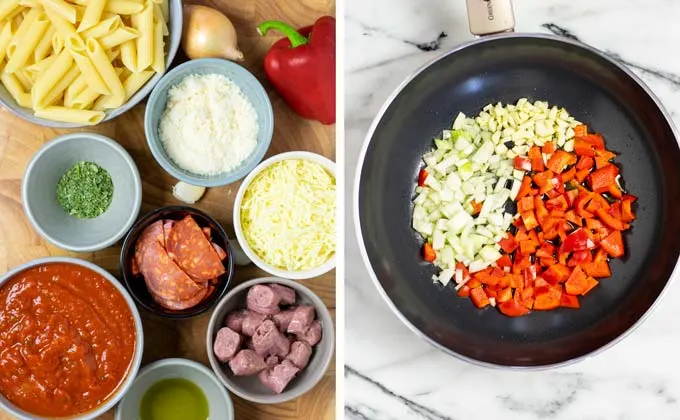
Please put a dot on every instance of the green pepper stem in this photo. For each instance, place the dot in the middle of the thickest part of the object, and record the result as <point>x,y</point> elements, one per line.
<point>296,38</point>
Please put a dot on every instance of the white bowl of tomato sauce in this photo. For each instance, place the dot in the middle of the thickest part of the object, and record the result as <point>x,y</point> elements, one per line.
<point>71,340</point>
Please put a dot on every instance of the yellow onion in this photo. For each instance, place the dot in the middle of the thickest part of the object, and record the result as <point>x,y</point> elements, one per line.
<point>209,33</point>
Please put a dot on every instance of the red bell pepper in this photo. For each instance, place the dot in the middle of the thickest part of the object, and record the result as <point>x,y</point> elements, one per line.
<point>422,176</point>
<point>513,308</point>
<point>429,254</point>
<point>577,241</point>
<point>600,180</point>
<point>302,67</point>
<point>536,159</point>
<point>559,161</point>
<point>522,163</point>
<point>613,244</point>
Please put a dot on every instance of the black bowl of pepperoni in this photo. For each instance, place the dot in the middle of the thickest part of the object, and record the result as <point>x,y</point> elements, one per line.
<point>176,262</point>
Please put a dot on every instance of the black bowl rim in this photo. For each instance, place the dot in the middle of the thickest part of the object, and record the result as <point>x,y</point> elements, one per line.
<point>201,307</point>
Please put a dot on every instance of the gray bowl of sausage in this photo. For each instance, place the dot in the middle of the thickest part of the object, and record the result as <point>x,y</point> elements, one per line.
<point>251,387</point>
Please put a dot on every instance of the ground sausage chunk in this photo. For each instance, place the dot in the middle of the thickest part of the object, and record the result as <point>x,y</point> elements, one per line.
<point>268,340</point>
<point>286,294</point>
<point>235,319</point>
<point>283,318</point>
<point>251,321</point>
<point>272,361</point>
<point>312,335</point>
<point>278,377</point>
<point>299,355</point>
<point>227,343</point>
<point>263,299</point>
<point>302,318</point>
<point>247,362</point>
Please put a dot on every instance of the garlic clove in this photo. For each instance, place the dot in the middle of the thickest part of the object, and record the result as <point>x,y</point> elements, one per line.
<point>187,193</point>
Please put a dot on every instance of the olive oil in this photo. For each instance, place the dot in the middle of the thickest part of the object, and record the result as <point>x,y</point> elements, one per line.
<point>174,399</point>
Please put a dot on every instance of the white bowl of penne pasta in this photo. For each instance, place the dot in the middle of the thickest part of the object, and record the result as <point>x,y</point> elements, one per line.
<point>75,63</point>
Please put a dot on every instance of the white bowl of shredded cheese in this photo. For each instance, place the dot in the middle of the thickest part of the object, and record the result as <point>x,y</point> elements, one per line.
<point>285,215</point>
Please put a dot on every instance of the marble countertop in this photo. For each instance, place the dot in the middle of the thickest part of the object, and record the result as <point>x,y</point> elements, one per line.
<point>390,373</point>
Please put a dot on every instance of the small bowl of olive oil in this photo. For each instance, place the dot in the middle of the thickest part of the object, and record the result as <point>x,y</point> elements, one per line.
<point>175,389</point>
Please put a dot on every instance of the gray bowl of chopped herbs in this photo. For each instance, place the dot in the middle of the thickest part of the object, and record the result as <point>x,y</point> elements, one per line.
<point>82,192</point>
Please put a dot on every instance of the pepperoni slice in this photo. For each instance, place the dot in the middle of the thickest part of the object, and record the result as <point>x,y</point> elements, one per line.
<point>163,277</point>
<point>184,304</point>
<point>193,251</point>
<point>220,252</point>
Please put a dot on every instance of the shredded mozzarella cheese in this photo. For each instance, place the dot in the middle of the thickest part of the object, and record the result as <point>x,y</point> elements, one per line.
<point>208,126</point>
<point>288,215</point>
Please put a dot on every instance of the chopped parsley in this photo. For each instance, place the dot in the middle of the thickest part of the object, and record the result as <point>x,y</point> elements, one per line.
<point>85,191</point>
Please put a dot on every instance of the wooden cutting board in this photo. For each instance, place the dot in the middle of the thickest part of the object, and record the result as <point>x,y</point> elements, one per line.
<point>19,243</point>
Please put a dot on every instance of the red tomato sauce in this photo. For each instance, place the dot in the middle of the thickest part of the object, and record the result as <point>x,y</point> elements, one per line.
<point>67,340</point>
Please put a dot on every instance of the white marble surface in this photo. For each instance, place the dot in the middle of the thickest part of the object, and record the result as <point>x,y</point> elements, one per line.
<point>390,373</point>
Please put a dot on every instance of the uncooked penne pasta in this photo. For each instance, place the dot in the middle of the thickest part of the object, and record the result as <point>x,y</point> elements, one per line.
<point>76,46</point>
<point>25,47</point>
<point>58,90</point>
<point>35,70</point>
<point>113,54</point>
<point>5,38</point>
<point>132,84</point>
<point>165,9</point>
<point>67,10</point>
<point>58,43</point>
<point>29,3</point>
<point>128,55</point>
<point>124,7</point>
<point>21,31</point>
<point>158,63</point>
<point>92,15</point>
<point>64,27</point>
<point>79,85</point>
<point>105,69</point>
<point>45,45</point>
<point>104,27</point>
<point>25,81</point>
<point>158,15</point>
<point>7,7</point>
<point>51,77</point>
<point>118,37</point>
<point>144,24</point>
<point>15,89</point>
<point>76,116</point>
<point>86,98</point>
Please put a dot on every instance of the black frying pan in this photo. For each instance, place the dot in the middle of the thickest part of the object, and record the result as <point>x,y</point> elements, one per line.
<point>597,91</point>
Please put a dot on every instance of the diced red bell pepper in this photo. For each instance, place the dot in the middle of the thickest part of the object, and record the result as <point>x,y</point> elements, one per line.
<point>479,297</point>
<point>610,221</point>
<point>590,284</point>
<point>585,162</point>
<point>557,273</point>
<point>549,300</point>
<point>598,269</point>
<point>525,204</point>
<point>536,159</point>
<point>464,291</point>
<point>476,207</point>
<point>613,244</point>
<point>571,196</point>
<point>569,175</point>
<point>474,283</point>
<point>627,214</point>
<point>569,301</point>
<point>560,160</point>
<point>504,295</point>
<point>428,252</point>
<point>520,264</point>
<point>579,258</point>
<point>525,188</point>
<point>581,130</point>
<point>529,219</point>
<point>543,179</point>
<point>615,190</point>
<point>558,184</point>
<point>513,308</point>
<point>602,158</point>
<point>580,204</point>
<point>600,255</point>
<point>522,163</point>
<point>615,210</point>
<point>573,218</point>
<point>577,241</point>
<point>548,148</point>
<point>422,176</point>
<point>559,203</point>
<point>582,175</point>
<point>595,140</point>
<point>547,250</point>
<point>508,244</point>
<point>576,283</point>
<point>600,180</point>
<point>583,148</point>
<point>504,261</point>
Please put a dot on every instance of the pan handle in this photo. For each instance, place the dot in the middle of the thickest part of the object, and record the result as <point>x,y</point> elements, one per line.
<point>489,17</point>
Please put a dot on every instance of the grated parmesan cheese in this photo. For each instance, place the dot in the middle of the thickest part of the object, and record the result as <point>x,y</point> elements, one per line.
<point>208,126</point>
<point>288,215</point>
